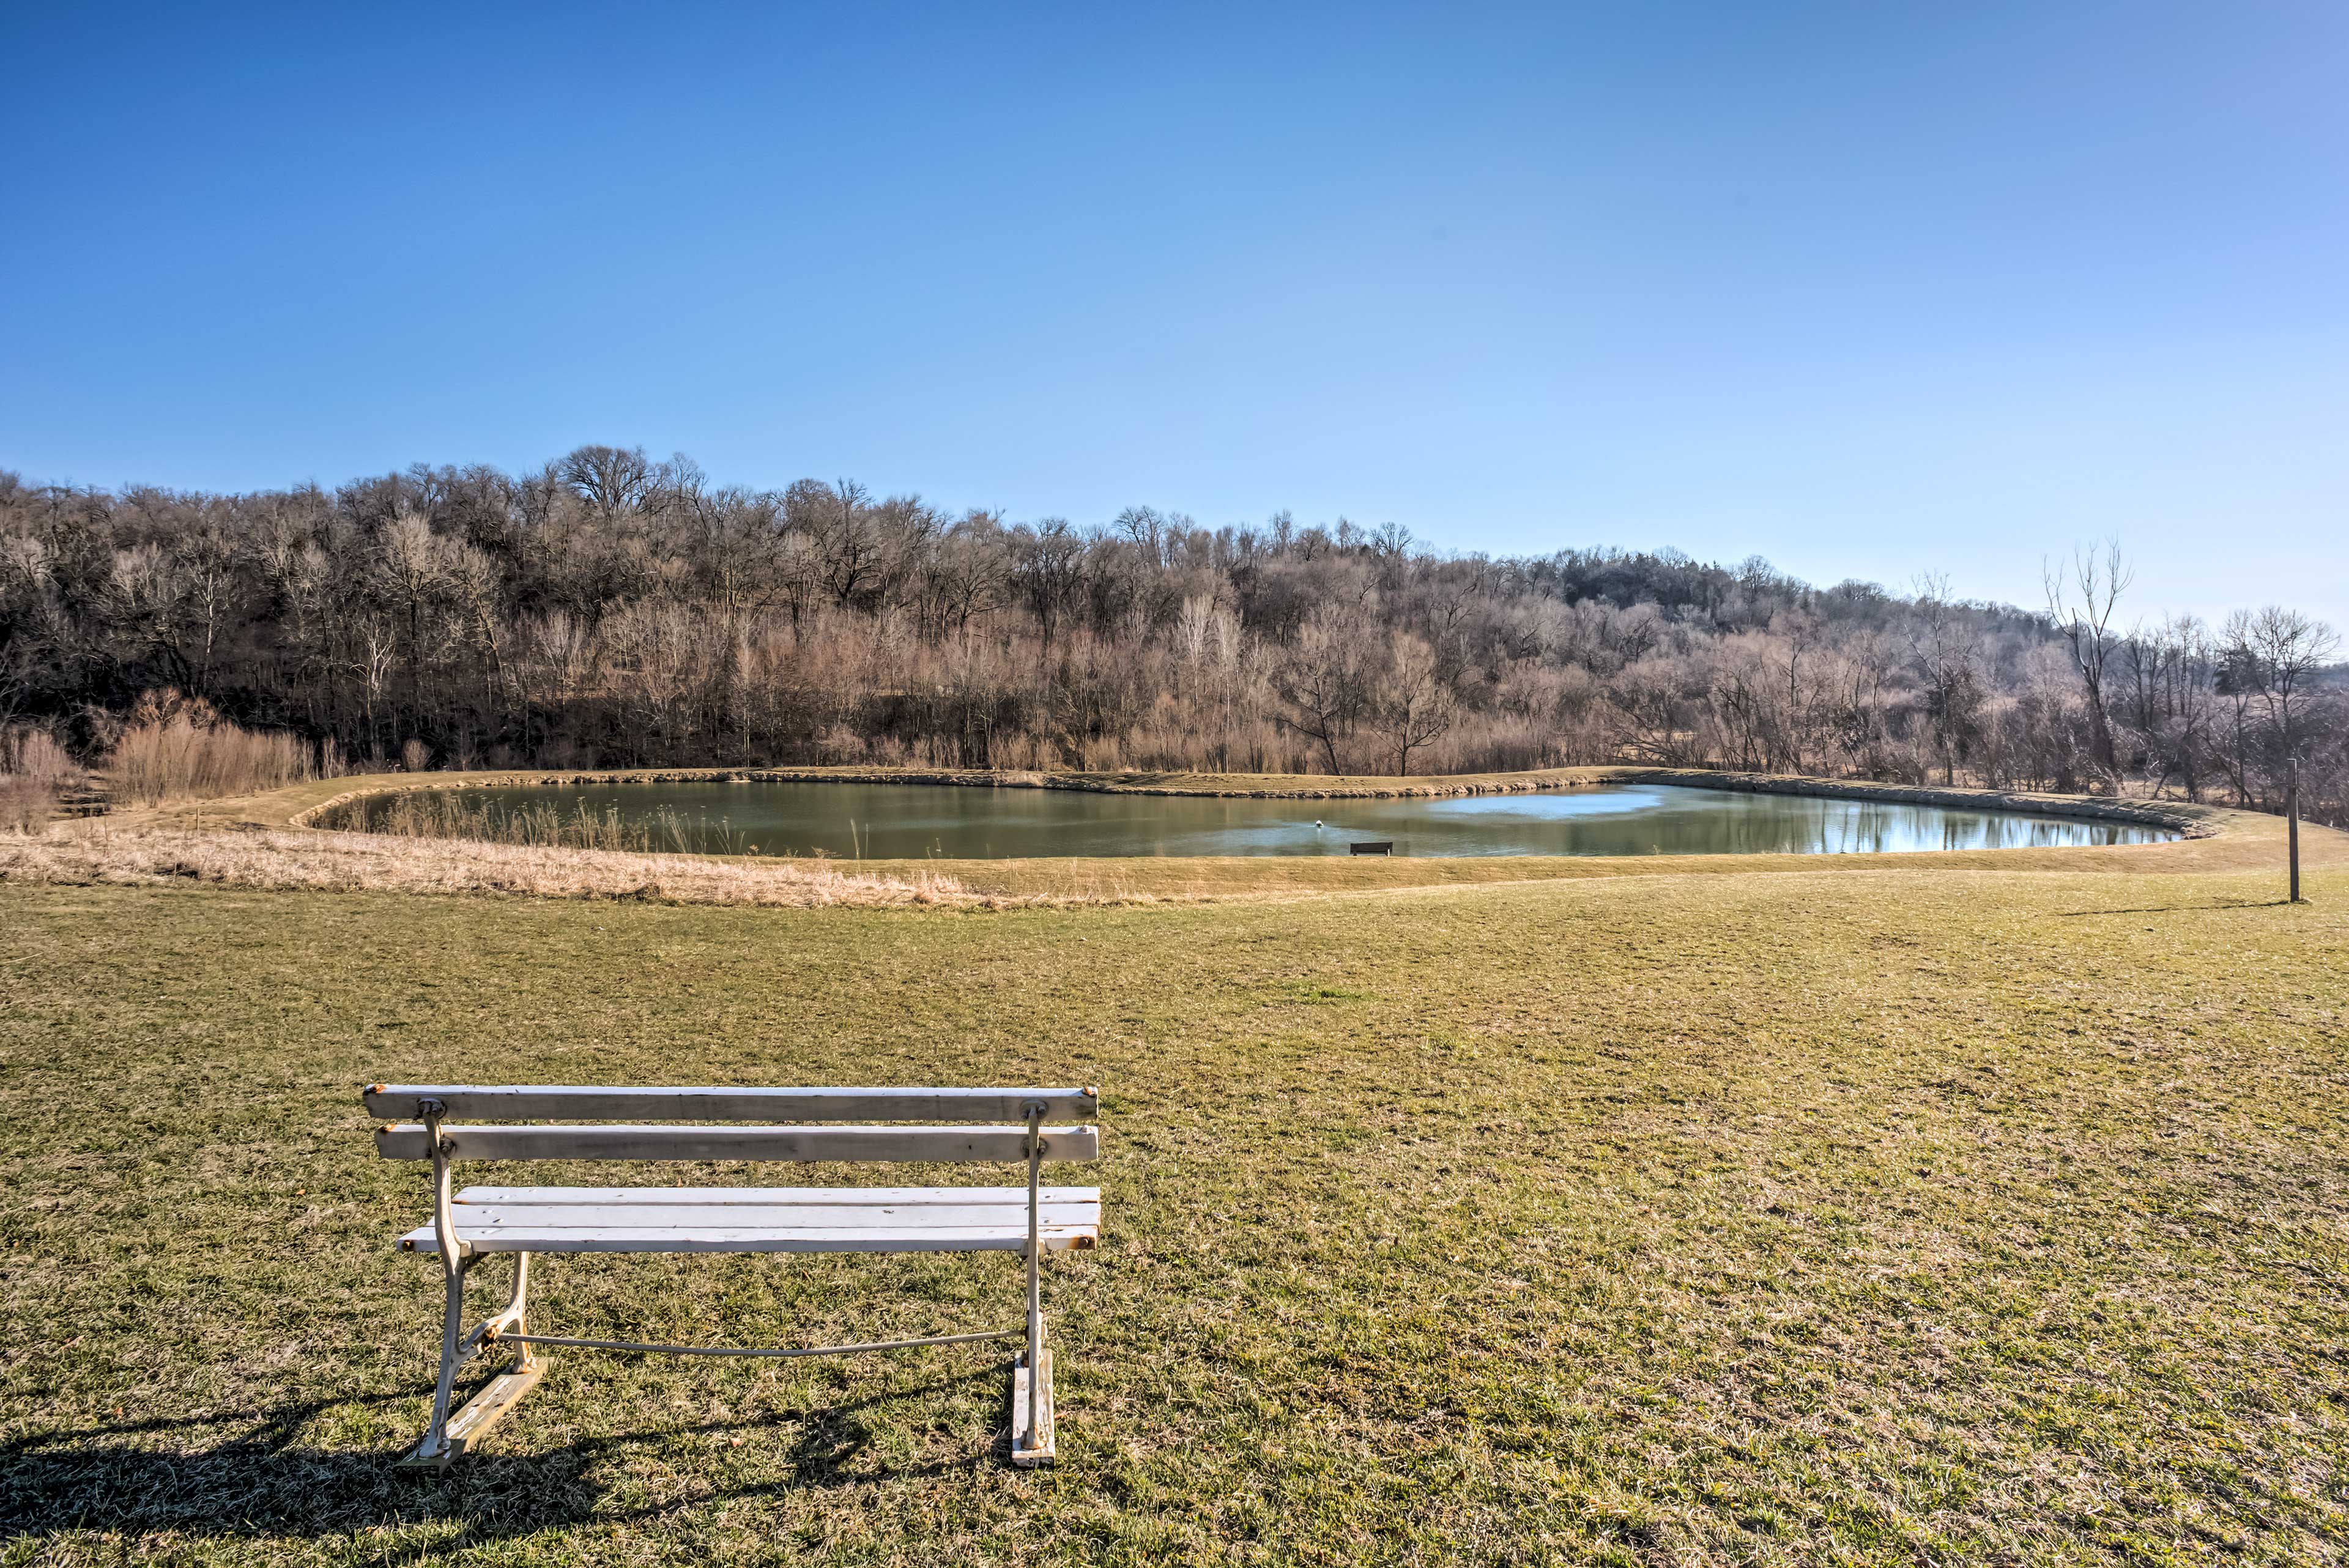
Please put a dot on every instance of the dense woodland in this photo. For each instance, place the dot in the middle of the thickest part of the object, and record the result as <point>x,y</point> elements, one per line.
<point>609,611</point>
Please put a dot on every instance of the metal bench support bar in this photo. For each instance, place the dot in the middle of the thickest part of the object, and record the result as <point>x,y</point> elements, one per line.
<point>729,1350</point>
<point>1037,1450</point>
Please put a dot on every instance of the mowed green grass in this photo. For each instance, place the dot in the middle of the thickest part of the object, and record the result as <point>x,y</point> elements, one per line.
<point>1893,1215</point>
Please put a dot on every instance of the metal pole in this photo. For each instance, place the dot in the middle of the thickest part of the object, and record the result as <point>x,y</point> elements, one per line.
<point>1035,1275</point>
<point>453,1263</point>
<point>2292,820</point>
<point>452,1323</point>
<point>517,1309</point>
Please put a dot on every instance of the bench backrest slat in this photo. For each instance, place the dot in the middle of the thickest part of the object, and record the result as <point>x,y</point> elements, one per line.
<point>779,1143</point>
<point>476,1102</point>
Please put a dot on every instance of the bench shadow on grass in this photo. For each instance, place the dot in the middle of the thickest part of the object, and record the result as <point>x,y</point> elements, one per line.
<point>265,1483</point>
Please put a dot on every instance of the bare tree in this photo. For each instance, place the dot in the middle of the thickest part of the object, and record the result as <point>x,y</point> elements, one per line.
<point>966,575</point>
<point>609,478</point>
<point>411,567</point>
<point>1942,638</point>
<point>849,547</point>
<point>2081,601</point>
<point>2168,702</point>
<point>210,577</point>
<point>1319,683</point>
<point>2274,653</point>
<point>1052,570</point>
<point>1415,706</point>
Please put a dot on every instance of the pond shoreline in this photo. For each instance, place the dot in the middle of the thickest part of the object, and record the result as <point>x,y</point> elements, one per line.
<point>2185,820</point>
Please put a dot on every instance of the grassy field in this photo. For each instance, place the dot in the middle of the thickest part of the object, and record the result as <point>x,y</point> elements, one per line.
<point>1901,1210</point>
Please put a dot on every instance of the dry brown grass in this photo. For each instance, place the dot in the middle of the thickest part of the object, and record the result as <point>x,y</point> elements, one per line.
<point>34,771</point>
<point>449,814</point>
<point>355,862</point>
<point>26,805</point>
<point>177,759</point>
<point>35,754</point>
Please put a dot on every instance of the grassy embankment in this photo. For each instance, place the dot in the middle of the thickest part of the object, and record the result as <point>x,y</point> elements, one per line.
<point>1925,1209</point>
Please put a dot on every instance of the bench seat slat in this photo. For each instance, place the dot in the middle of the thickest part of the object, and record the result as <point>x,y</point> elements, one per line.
<point>482,1217</point>
<point>995,1237</point>
<point>728,1196</point>
<point>1002,1143</point>
<point>554,1102</point>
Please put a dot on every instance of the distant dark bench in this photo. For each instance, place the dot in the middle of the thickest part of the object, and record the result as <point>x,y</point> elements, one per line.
<point>467,1226</point>
<point>1382,847</point>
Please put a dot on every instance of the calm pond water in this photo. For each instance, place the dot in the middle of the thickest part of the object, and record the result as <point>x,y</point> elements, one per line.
<point>918,821</point>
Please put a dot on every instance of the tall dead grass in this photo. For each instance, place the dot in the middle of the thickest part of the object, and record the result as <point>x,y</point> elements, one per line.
<point>34,771</point>
<point>446,814</point>
<point>355,862</point>
<point>175,758</point>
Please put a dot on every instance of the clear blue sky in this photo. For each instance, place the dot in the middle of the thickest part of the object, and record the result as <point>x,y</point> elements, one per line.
<point>1868,288</point>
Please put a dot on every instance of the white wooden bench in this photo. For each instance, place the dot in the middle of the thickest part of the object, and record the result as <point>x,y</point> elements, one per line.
<point>453,1122</point>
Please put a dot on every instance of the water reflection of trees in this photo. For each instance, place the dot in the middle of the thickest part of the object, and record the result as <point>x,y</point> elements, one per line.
<point>912,821</point>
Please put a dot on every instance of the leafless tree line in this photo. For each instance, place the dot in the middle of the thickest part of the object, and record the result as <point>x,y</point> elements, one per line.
<point>610,610</point>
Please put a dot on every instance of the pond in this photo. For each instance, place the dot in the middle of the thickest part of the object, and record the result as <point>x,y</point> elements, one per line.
<point>868,821</point>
